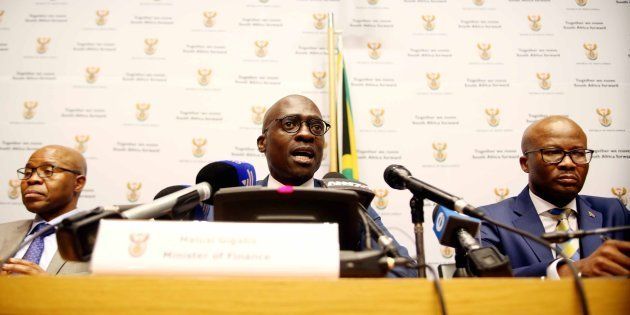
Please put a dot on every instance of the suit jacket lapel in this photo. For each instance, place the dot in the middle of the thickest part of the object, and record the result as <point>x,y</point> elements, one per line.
<point>55,264</point>
<point>588,219</point>
<point>263,182</point>
<point>14,237</point>
<point>527,219</point>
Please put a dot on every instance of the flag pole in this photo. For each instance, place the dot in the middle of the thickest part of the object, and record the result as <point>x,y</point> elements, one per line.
<point>332,96</point>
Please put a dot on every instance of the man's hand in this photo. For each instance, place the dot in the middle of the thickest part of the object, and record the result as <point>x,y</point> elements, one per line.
<point>610,259</point>
<point>20,266</point>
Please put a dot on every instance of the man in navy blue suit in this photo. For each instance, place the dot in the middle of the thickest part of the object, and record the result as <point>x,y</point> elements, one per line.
<point>292,140</point>
<point>556,159</point>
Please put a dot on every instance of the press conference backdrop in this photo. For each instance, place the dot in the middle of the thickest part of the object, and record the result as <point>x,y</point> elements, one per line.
<point>152,90</point>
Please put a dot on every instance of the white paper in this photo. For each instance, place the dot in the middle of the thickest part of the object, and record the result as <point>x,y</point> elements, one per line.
<point>217,248</point>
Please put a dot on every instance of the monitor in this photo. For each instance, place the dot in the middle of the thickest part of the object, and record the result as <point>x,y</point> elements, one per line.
<point>292,204</point>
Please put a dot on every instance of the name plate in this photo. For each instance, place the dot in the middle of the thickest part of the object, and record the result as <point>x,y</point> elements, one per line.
<point>216,249</point>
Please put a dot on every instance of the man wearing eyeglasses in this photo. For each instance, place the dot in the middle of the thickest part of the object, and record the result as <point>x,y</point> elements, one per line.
<point>51,183</point>
<point>556,159</point>
<point>292,140</point>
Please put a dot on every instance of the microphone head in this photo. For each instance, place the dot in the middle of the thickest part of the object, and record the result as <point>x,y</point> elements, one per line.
<point>333,175</point>
<point>394,176</point>
<point>447,222</point>
<point>187,216</point>
<point>169,190</point>
<point>332,180</point>
<point>223,174</point>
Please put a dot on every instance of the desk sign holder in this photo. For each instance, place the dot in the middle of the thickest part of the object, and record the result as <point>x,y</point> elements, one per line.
<point>217,249</point>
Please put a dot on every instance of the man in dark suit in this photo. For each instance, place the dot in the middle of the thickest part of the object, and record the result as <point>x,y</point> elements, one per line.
<point>556,158</point>
<point>51,183</point>
<point>292,140</point>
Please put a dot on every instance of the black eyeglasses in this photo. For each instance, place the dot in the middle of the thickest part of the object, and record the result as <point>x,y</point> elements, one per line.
<point>292,123</point>
<point>555,155</point>
<point>43,171</point>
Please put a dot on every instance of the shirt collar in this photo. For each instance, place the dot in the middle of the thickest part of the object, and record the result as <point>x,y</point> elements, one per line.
<point>274,183</point>
<point>54,221</point>
<point>543,205</point>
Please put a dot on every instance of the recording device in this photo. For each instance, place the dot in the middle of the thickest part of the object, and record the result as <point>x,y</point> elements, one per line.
<point>336,180</point>
<point>398,177</point>
<point>456,230</point>
<point>76,235</point>
<point>560,237</point>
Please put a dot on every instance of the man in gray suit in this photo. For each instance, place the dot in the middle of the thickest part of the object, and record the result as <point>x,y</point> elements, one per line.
<point>51,183</point>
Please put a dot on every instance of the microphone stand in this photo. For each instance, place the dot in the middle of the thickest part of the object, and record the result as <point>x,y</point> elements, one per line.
<point>417,218</point>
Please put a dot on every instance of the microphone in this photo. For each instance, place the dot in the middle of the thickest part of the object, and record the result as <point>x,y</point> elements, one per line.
<point>76,236</point>
<point>210,179</point>
<point>224,174</point>
<point>560,237</point>
<point>398,177</point>
<point>456,230</point>
<point>448,225</point>
<point>177,203</point>
<point>336,180</point>
<point>199,211</point>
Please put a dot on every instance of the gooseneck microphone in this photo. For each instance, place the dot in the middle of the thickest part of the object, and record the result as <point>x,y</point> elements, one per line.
<point>560,237</point>
<point>398,177</point>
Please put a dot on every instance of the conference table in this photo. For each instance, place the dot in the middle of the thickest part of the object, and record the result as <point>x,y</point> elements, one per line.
<point>195,295</point>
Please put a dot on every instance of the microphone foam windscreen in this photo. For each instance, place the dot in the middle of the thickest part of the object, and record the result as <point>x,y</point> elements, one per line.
<point>223,174</point>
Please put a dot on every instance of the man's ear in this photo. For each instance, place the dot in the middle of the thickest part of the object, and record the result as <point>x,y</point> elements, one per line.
<point>79,183</point>
<point>524,166</point>
<point>261,142</point>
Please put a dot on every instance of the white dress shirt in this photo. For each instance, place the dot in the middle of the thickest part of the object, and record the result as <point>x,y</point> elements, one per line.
<point>549,223</point>
<point>274,183</point>
<point>50,241</point>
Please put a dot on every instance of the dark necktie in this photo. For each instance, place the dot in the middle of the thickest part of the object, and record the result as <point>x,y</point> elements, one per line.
<point>36,249</point>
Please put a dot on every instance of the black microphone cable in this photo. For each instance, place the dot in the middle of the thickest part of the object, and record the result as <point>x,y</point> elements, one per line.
<point>436,283</point>
<point>368,234</point>
<point>409,263</point>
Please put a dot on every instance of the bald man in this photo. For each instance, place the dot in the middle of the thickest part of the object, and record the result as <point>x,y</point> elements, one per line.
<point>51,183</point>
<point>292,140</point>
<point>556,159</point>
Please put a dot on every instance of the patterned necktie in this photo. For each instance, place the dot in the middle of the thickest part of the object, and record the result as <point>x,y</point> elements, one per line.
<point>572,246</point>
<point>36,249</point>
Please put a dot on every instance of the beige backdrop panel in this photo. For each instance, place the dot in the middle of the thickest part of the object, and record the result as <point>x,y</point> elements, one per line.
<point>152,90</point>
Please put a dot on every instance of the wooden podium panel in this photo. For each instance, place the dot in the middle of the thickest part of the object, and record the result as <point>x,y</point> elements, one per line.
<point>177,295</point>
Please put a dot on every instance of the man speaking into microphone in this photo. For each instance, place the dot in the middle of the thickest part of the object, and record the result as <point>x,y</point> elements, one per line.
<point>556,159</point>
<point>292,140</point>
